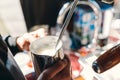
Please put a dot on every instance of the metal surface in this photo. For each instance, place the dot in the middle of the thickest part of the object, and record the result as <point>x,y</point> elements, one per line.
<point>97,10</point>
<point>67,20</point>
<point>43,53</point>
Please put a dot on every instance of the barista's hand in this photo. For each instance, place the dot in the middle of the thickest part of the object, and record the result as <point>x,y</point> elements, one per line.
<point>61,70</point>
<point>24,41</point>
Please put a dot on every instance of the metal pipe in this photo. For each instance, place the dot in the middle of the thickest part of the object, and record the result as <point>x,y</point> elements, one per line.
<point>96,8</point>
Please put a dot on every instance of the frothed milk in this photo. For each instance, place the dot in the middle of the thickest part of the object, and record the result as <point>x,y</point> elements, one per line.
<point>44,53</point>
<point>46,46</point>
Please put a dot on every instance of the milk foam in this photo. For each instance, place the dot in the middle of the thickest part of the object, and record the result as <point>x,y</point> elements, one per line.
<point>45,46</point>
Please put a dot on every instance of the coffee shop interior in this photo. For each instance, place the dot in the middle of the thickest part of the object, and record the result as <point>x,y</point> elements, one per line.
<point>91,31</point>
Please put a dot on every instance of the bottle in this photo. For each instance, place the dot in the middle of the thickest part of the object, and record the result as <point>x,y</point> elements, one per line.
<point>107,60</point>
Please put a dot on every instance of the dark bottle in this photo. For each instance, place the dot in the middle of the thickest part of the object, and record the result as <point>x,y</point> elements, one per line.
<point>108,60</point>
<point>102,41</point>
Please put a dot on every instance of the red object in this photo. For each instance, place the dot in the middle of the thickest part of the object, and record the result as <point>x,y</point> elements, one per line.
<point>76,66</point>
<point>114,39</point>
<point>84,51</point>
<point>30,64</point>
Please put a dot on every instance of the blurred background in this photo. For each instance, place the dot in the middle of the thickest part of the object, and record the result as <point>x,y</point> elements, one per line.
<point>91,18</point>
<point>11,18</point>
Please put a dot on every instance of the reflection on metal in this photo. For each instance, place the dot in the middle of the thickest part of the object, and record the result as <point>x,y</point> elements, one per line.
<point>93,5</point>
<point>67,20</point>
<point>108,1</point>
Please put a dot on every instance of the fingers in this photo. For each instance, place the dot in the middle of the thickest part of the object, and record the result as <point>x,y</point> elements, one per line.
<point>39,33</point>
<point>50,72</point>
<point>67,58</point>
<point>66,73</point>
<point>24,41</point>
<point>68,67</point>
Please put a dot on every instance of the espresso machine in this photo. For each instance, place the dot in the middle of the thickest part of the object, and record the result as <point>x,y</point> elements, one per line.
<point>111,57</point>
<point>77,31</point>
<point>74,31</point>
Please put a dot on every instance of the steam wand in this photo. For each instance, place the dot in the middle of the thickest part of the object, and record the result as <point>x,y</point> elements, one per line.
<point>67,20</point>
